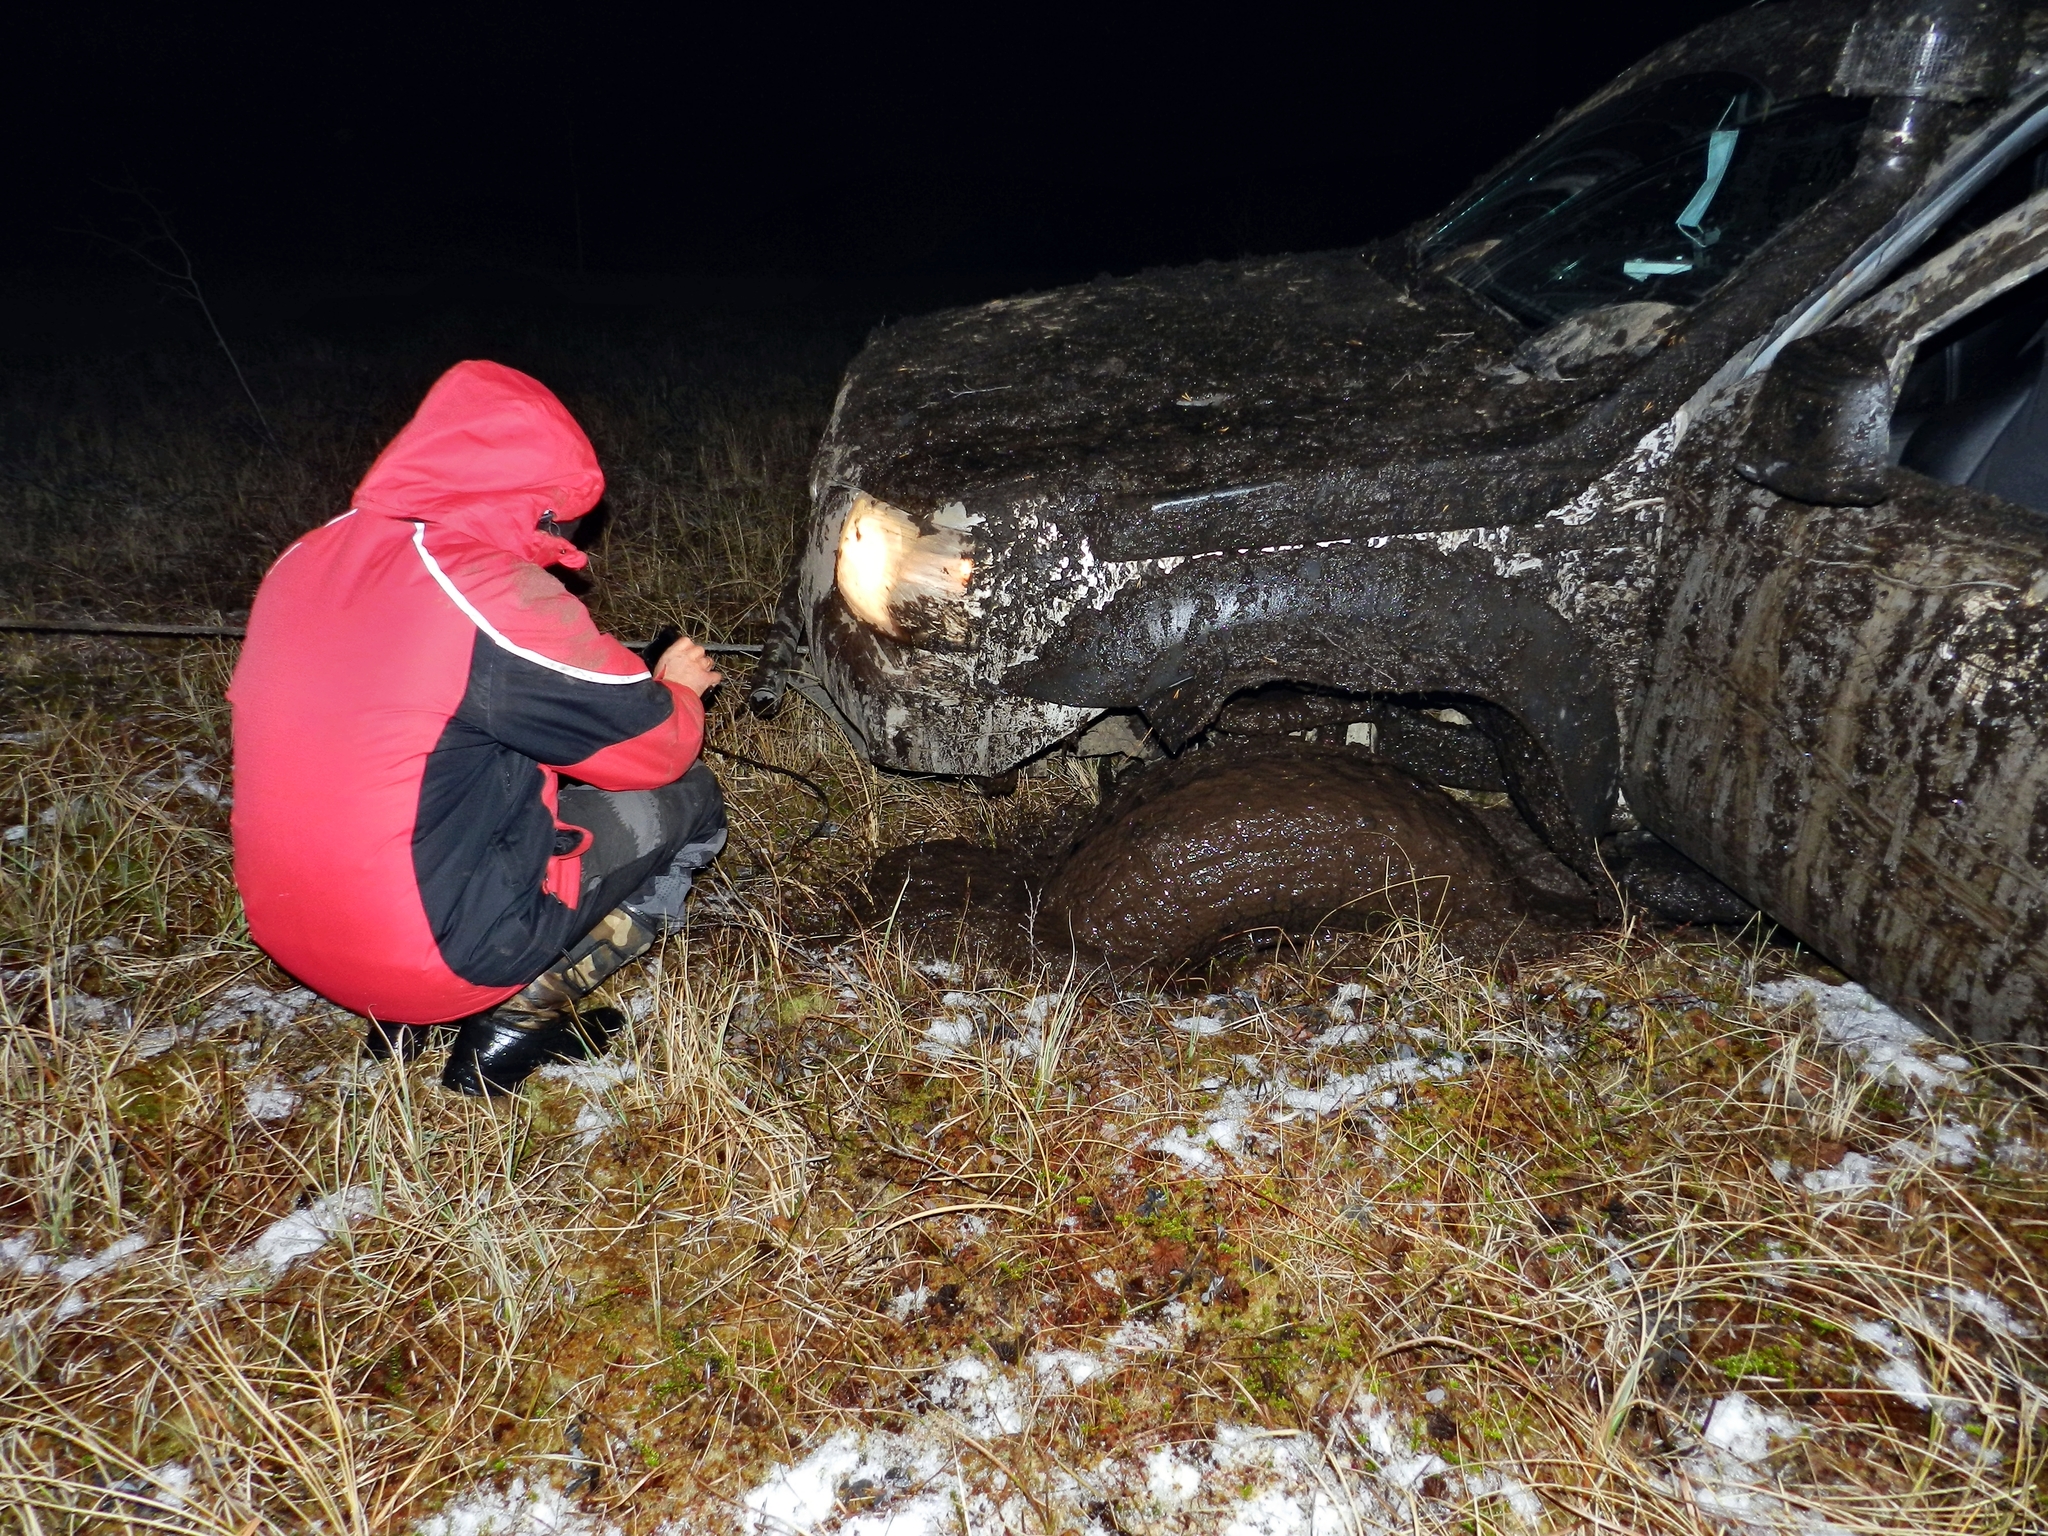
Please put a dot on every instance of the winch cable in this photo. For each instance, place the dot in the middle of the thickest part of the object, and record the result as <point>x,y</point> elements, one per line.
<point>235,632</point>
<point>221,632</point>
<point>667,636</point>
<point>776,861</point>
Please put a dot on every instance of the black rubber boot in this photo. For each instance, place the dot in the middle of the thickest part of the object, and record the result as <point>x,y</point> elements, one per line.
<point>395,1042</point>
<point>493,1054</point>
<point>497,1051</point>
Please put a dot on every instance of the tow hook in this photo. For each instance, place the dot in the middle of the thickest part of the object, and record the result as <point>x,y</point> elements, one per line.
<point>778,654</point>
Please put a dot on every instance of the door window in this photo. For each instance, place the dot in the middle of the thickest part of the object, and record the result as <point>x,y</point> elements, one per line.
<point>1972,411</point>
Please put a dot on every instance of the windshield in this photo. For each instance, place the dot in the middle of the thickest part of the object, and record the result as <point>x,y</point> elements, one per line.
<point>1658,195</point>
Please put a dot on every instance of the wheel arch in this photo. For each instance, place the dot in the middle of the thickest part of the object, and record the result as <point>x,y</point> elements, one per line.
<point>1389,620</point>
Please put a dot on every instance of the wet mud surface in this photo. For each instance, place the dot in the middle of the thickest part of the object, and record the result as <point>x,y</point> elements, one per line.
<point>1229,848</point>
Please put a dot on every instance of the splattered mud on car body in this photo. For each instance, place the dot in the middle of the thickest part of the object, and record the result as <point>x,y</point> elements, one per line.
<point>1100,436</point>
<point>1372,473</point>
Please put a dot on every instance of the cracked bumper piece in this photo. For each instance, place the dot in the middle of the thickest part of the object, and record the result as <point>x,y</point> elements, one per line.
<point>925,711</point>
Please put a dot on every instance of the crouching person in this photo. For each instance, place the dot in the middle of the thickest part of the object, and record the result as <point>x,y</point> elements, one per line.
<point>414,690</point>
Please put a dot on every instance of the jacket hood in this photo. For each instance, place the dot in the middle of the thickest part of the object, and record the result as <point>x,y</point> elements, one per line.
<point>487,453</point>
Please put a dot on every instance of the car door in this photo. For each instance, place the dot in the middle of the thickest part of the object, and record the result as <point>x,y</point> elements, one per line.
<point>1844,705</point>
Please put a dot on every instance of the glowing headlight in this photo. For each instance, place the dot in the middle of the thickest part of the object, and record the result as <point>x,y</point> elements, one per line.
<point>909,584</point>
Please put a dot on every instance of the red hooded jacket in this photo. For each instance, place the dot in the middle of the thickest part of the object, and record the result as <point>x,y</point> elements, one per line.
<point>412,685</point>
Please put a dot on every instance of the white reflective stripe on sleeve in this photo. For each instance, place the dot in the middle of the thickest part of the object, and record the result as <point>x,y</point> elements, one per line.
<point>419,542</point>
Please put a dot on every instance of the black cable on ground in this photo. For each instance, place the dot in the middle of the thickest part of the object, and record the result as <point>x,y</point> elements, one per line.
<point>231,632</point>
<point>212,632</point>
<point>824,800</point>
<point>113,627</point>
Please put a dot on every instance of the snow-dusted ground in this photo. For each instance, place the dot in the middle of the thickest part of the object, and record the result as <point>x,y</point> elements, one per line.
<point>262,1262</point>
<point>1367,1474</point>
<point>1369,1471</point>
<point>1889,1046</point>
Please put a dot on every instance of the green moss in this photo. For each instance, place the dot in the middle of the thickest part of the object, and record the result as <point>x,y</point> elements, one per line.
<point>1778,1363</point>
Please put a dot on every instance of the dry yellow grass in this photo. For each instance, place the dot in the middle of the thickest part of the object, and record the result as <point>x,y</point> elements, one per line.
<point>1381,1240</point>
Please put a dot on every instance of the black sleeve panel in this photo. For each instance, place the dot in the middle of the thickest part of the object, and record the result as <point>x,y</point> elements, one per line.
<point>481,842</point>
<point>483,836</point>
<point>551,717</point>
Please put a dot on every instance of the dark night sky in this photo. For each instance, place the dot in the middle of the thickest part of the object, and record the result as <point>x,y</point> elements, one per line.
<point>1056,142</point>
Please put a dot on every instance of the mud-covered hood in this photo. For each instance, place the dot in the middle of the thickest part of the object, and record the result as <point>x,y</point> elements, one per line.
<point>1214,406</point>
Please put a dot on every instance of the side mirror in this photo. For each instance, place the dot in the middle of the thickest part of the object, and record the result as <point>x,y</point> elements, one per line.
<point>1820,428</point>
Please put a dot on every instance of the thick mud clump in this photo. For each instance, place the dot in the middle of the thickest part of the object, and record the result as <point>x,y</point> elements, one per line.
<point>1278,836</point>
<point>1229,846</point>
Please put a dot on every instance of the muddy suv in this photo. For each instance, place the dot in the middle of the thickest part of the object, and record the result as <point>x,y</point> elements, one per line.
<point>1688,475</point>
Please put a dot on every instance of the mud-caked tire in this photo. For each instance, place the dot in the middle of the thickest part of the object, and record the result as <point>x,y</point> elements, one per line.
<point>1233,843</point>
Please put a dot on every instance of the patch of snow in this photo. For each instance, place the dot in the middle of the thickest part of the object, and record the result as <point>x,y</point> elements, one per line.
<point>1189,1148</point>
<point>1025,1046</point>
<point>1885,1042</point>
<point>942,970</point>
<point>1109,1280</point>
<point>1390,1438</point>
<point>803,1496</point>
<point>78,1271</point>
<point>73,1273</point>
<point>19,1254</point>
<point>1900,1374</point>
<point>269,1102</point>
<point>1739,1436</point>
<point>167,1486</point>
<point>237,1005</point>
<point>1950,1143</point>
<point>524,1509</point>
<point>915,1483</point>
<point>592,1121</point>
<point>1242,1481</point>
<point>249,1001</point>
<point>1199,1024</point>
<point>905,1305</point>
<point>81,1010</point>
<point>262,1263</point>
<point>1745,1431</point>
<point>1994,1314</point>
<point>1351,998</point>
<point>986,1399</point>
<point>1342,1034</point>
<point>1138,1337</point>
<point>1855,1171</point>
<point>2018,1155</point>
<point>1374,1083</point>
<point>590,1076</point>
<point>929,1514</point>
<point>1062,1370</point>
<point>173,1483</point>
<point>1037,1010</point>
<point>947,1036</point>
<point>1171,1479</point>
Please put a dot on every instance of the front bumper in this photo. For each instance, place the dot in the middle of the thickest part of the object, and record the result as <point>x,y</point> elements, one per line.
<point>924,711</point>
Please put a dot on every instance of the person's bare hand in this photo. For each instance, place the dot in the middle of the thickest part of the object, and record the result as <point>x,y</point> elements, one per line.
<point>685,663</point>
